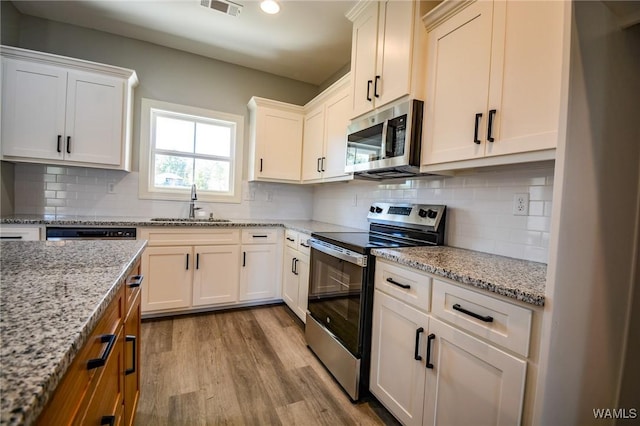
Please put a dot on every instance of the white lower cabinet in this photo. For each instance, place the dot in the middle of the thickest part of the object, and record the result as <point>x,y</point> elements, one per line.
<point>295,267</point>
<point>194,269</point>
<point>428,372</point>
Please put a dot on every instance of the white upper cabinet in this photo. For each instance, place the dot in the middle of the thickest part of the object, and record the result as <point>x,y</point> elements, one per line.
<point>275,148</point>
<point>494,76</point>
<point>387,48</point>
<point>59,110</point>
<point>325,134</point>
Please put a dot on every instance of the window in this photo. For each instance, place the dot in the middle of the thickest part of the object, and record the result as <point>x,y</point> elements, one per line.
<point>182,146</point>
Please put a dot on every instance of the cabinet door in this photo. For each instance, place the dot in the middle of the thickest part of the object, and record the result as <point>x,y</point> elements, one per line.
<point>469,373</point>
<point>337,112</point>
<point>33,110</point>
<point>290,279</point>
<point>217,274</point>
<point>279,140</point>
<point>258,272</point>
<point>302,268</point>
<point>395,37</point>
<point>397,378</point>
<point>132,334</point>
<point>458,84</point>
<point>168,273</point>
<point>525,89</point>
<point>312,152</point>
<point>94,123</point>
<point>363,59</point>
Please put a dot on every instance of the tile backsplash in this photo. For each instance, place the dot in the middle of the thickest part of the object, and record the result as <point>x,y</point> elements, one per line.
<point>77,191</point>
<point>479,207</point>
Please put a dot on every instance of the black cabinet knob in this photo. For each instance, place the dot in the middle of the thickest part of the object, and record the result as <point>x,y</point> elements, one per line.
<point>372,209</point>
<point>431,214</point>
<point>422,213</point>
<point>378,210</point>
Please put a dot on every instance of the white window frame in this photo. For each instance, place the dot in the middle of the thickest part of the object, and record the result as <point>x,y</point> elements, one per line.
<point>146,188</point>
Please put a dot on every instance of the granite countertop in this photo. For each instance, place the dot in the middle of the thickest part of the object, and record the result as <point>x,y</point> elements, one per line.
<point>53,294</point>
<point>518,279</point>
<point>306,226</point>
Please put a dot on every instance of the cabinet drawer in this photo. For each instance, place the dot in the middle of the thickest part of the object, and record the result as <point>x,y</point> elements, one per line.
<point>73,392</point>
<point>259,236</point>
<point>189,237</point>
<point>404,284</point>
<point>291,238</point>
<point>22,233</point>
<point>303,244</point>
<point>499,322</point>
<point>132,287</point>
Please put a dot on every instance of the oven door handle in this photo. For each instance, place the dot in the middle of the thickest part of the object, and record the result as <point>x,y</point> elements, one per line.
<point>339,252</point>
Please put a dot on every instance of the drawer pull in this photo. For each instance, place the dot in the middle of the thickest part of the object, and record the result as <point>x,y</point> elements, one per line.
<point>416,355</point>
<point>485,318</point>
<point>18,237</point>
<point>290,239</point>
<point>304,245</point>
<point>110,340</point>
<point>429,339</point>
<point>135,281</point>
<point>108,420</point>
<point>260,236</point>
<point>394,282</point>
<point>131,370</point>
<point>475,133</point>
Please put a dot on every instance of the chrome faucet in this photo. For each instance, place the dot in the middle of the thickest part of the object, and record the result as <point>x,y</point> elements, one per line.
<point>192,203</point>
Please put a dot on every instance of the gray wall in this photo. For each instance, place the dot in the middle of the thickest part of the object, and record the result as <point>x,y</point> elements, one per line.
<point>589,319</point>
<point>165,74</point>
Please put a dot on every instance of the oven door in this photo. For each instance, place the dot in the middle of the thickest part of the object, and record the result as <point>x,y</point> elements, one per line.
<point>336,280</point>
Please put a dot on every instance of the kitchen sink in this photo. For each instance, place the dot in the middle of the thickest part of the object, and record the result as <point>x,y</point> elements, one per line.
<point>184,219</point>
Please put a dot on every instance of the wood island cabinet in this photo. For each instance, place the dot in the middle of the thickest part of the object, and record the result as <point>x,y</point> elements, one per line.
<point>102,384</point>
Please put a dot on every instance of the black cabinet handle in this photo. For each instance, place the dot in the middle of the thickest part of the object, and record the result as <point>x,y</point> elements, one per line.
<point>244,259</point>
<point>322,164</point>
<point>290,239</point>
<point>485,318</point>
<point>108,420</point>
<point>187,261</point>
<point>59,140</point>
<point>304,245</point>
<point>260,236</point>
<point>68,144</point>
<point>429,339</point>
<point>318,165</point>
<point>369,83</point>
<point>131,370</point>
<point>394,282</point>
<point>197,260</point>
<point>17,237</point>
<point>416,355</point>
<point>110,340</point>
<point>135,281</point>
<point>295,266</point>
<point>492,114</point>
<point>475,134</point>
<point>261,164</point>
<point>375,87</point>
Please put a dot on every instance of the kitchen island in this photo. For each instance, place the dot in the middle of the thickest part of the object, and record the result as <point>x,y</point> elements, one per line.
<point>52,295</point>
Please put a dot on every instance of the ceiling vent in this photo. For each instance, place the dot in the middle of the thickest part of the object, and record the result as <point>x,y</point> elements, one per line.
<point>228,7</point>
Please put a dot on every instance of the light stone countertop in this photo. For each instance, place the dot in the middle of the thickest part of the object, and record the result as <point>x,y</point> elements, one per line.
<point>52,296</point>
<point>306,226</point>
<point>518,279</point>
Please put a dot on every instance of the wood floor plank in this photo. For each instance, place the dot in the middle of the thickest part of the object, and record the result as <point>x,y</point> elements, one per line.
<point>240,367</point>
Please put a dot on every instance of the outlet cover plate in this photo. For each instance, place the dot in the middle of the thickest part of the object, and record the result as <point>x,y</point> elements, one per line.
<point>521,204</point>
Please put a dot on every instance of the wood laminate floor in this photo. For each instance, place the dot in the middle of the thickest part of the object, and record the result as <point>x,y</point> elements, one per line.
<point>240,367</point>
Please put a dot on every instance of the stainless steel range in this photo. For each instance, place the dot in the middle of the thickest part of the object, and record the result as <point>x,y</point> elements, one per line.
<point>338,327</point>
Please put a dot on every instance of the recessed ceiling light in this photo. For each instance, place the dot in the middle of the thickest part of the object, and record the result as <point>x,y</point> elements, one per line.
<point>270,6</point>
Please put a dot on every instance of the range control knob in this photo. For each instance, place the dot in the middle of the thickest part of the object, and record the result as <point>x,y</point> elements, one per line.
<point>372,209</point>
<point>378,210</point>
<point>422,213</point>
<point>431,214</point>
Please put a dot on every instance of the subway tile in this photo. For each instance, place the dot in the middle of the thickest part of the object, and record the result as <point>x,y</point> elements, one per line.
<point>66,179</point>
<point>509,249</point>
<point>87,180</point>
<point>54,170</point>
<point>542,193</point>
<point>49,194</point>
<point>48,178</point>
<point>538,223</point>
<point>486,194</point>
<point>410,194</point>
<point>76,171</point>
<point>536,208</point>
<point>51,186</point>
<point>522,236</point>
<point>536,254</point>
<point>548,207</point>
<point>66,195</point>
<point>54,202</point>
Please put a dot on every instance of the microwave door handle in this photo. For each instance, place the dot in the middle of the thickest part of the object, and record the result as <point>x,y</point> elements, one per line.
<point>383,146</point>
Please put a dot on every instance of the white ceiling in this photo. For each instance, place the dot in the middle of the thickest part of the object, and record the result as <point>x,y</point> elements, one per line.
<point>309,40</point>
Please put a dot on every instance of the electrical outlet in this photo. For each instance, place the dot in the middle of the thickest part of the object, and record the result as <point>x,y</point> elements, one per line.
<point>249,195</point>
<point>269,196</point>
<point>111,188</point>
<point>521,204</point>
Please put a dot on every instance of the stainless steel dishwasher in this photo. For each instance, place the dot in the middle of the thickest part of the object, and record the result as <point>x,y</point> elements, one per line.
<point>59,233</point>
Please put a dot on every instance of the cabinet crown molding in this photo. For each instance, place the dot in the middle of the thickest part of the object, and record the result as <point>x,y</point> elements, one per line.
<point>444,11</point>
<point>256,102</point>
<point>73,63</point>
<point>356,10</point>
<point>328,92</point>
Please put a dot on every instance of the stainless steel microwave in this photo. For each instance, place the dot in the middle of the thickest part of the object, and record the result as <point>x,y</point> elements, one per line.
<point>387,144</point>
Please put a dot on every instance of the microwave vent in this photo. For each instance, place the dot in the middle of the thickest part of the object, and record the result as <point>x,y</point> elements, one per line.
<point>228,7</point>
